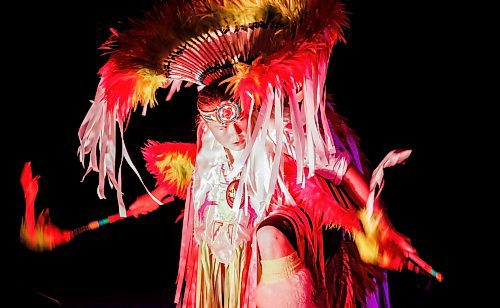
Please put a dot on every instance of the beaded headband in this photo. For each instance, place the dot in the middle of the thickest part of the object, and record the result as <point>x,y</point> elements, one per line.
<point>226,112</point>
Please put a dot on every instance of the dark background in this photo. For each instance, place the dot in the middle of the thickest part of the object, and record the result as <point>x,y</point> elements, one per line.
<point>380,79</point>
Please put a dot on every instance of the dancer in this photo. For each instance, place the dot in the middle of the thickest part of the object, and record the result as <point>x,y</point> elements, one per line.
<point>273,164</point>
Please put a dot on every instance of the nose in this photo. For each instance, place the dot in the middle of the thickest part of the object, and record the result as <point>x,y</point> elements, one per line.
<point>237,128</point>
<point>236,131</point>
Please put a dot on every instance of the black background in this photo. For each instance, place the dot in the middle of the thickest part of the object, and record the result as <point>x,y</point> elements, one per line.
<point>377,79</point>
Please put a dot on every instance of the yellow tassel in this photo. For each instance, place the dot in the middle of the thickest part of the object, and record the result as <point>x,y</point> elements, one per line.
<point>218,284</point>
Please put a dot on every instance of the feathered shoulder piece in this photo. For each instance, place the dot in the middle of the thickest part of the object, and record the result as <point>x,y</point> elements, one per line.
<point>171,164</point>
<point>267,52</point>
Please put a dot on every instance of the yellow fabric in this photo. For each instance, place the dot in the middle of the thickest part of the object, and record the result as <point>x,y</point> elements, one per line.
<point>280,269</point>
<point>219,284</point>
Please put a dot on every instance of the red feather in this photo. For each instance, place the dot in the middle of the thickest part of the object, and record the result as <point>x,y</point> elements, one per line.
<point>30,188</point>
<point>154,152</point>
<point>318,202</point>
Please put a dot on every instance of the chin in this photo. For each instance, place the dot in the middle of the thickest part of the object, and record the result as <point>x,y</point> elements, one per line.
<point>236,147</point>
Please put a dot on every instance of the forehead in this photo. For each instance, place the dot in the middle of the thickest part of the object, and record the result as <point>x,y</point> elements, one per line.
<point>225,112</point>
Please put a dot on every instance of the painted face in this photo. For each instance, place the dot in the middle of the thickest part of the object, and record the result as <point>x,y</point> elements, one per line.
<point>228,124</point>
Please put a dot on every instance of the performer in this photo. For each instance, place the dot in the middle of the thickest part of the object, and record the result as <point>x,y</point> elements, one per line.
<point>273,164</point>
<point>281,229</point>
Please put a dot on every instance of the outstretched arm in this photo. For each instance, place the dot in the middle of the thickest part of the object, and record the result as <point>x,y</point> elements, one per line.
<point>172,165</point>
<point>356,185</point>
<point>144,204</point>
<point>392,248</point>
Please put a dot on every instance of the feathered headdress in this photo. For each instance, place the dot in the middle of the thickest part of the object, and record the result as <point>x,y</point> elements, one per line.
<point>268,52</point>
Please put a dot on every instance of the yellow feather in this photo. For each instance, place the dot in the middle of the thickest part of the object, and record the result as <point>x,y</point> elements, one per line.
<point>176,169</point>
<point>367,242</point>
<point>243,12</point>
<point>148,81</point>
<point>242,70</point>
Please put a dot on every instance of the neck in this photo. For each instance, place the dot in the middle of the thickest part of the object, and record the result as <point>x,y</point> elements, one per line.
<point>230,157</point>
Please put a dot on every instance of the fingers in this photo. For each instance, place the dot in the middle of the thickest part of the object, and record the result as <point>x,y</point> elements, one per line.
<point>139,212</point>
<point>142,208</point>
<point>168,199</point>
<point>136,205</point>
<point>404,244</point>
<point>135,212</point>
<point>135,209</point>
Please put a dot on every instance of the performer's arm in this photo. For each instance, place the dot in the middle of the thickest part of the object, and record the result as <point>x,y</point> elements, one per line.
<point>145,204</point>
<point>357,187</point>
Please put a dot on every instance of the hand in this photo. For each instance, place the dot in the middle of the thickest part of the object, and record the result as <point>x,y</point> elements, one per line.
<point>395,249</point>
<point>380,244</point>
<point>143,205</point>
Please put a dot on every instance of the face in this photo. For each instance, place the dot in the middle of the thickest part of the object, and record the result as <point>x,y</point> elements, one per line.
<point>228,124</point>
<point>231,135</point>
